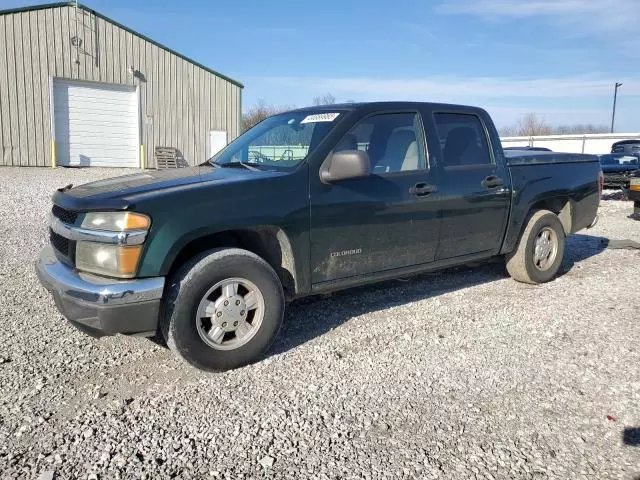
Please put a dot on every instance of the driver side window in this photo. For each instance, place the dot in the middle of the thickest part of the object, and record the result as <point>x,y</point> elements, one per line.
<point>393,142</point>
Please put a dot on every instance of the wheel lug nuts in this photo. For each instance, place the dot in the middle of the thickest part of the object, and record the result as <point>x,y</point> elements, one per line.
<point>242,312</point>
<point>235,324</point>
<point>219,314</point>
<point>237,302</point>
<point>224,324</point>
<point>226,302</point>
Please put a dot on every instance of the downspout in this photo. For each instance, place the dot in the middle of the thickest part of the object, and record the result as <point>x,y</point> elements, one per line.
<point>77,60</point>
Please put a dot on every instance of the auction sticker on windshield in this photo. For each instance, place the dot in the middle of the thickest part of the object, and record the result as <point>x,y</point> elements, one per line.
<point>320,117</point>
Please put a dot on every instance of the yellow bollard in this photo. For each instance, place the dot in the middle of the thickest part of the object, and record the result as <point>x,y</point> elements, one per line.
<point>53,154</point>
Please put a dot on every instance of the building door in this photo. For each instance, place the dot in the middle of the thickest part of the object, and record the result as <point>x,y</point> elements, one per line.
<point>217,141</point>
<point>96,124</point>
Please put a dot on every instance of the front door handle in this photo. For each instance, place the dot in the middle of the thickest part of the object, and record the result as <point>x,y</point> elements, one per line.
<point>492,181</point>
<point>422,189</point>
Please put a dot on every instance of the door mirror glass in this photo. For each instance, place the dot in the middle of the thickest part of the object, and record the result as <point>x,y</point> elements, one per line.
<point>345,165</point>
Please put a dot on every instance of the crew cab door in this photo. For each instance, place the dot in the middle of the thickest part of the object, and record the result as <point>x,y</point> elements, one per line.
<point>474,186</point>
<point>370,224</point>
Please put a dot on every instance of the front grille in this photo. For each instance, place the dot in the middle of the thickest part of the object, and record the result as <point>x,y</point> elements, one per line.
<point>64,248</point>
<point>63,215</point>
<point>60,243</point>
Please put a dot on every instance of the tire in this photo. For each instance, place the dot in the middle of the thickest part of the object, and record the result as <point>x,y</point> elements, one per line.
<point>191,331</point>
<point>522,263</point>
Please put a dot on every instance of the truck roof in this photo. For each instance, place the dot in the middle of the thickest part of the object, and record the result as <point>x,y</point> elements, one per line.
<point>386,105</point>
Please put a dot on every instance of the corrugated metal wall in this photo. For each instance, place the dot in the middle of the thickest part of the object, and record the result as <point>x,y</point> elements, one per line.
<point>180,102</point>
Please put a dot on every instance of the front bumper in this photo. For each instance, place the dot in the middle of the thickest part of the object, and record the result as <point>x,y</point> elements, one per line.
<point>101,306</point>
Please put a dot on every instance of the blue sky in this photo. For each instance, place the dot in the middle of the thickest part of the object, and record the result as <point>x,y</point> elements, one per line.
<point>558,58</point>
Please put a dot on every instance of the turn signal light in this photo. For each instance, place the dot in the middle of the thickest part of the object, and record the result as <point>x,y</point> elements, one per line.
<point>116,221</point>
<point>136,221</point>
<point>129,260</point>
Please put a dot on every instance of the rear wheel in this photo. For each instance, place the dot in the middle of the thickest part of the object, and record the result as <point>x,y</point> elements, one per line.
<point>540,250</point>
<point>223,309</point>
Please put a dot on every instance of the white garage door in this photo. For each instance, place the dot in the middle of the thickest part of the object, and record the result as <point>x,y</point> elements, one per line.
<point>95,124</point>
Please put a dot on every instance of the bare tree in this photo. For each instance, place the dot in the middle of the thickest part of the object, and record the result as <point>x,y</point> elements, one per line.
<point>530,125</point>
<point>507,131</point>
<point>326,99</point>
<point>580,129</point>
<point>259,112</point>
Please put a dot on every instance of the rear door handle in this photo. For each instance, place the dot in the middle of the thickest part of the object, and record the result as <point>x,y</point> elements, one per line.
<point>492,181</point>
<point>422,189</point>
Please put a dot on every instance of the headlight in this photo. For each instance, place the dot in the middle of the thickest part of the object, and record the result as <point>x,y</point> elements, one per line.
<point>116,221</point>
<point>110,260</point>
<point>113,257</point>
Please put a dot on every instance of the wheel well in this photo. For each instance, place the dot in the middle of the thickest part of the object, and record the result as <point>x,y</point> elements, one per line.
<point>561,206</point>
<point>268,242</point>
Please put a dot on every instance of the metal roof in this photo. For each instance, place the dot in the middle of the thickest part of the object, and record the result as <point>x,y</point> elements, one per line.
<point>144,37</point>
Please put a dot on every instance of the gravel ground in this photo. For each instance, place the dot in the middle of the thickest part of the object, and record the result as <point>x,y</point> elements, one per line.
<point>461,374</point>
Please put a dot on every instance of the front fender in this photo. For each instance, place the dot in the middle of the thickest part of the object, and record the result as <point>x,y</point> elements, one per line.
<point>178,220</point>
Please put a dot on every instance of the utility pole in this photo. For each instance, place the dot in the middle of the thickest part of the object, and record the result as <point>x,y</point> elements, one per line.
<point>615,97</point>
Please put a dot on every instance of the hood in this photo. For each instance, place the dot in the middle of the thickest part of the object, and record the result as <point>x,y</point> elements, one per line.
<point>136,183</point>
<point>120,192</point>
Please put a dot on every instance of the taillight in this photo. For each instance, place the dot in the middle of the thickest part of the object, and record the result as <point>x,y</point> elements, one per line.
<point>600,182</point>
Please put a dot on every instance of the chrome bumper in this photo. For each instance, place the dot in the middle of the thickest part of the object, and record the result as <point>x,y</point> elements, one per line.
<point>101,306</point>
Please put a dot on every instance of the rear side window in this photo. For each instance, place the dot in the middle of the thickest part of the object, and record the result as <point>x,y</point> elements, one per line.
<point>393,142</point>
<point>462,139</point>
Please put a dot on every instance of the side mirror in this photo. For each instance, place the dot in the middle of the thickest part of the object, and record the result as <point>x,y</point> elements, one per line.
<point>345,165</point>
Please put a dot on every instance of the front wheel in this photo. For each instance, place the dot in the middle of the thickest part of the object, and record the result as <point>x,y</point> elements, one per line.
<point>540,250</point>
<point>222,309</point>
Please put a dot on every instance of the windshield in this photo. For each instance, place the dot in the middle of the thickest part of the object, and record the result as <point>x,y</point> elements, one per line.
<point>280,142</point>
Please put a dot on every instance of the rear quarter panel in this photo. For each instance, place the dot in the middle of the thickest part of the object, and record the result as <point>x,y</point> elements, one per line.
<point>534,183</point>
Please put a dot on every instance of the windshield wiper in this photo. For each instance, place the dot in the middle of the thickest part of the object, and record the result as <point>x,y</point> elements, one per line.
<point>248,165</point>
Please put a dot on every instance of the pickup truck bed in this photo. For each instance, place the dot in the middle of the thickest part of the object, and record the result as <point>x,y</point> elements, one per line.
<point>550,169</point>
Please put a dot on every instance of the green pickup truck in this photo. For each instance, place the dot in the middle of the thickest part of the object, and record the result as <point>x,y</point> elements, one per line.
<point>308,201</point>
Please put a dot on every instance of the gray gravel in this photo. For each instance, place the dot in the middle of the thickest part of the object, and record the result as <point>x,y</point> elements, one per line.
<point>461,374</point>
